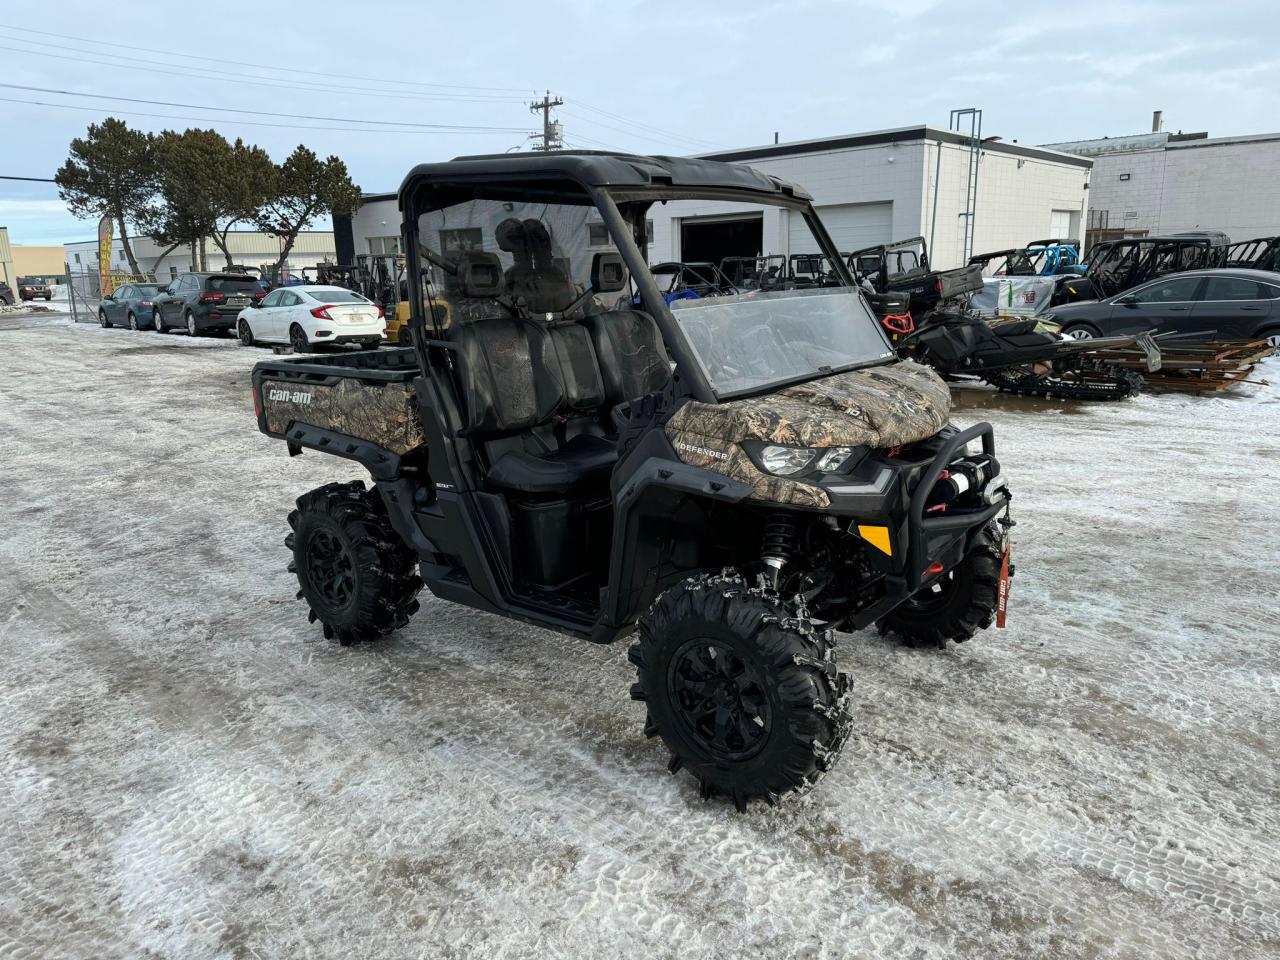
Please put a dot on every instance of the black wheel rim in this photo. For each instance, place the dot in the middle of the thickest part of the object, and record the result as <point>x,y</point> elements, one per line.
<point>721,699</point>
<point>245,338</point>
<point>299,341</point>
<point>330,570</point>
<point>933,597</point>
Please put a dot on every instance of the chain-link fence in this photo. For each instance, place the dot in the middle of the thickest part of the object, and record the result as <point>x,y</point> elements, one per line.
<point>83,291</point>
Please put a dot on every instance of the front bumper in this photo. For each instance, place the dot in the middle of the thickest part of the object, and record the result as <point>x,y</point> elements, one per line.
<point>911,546</point>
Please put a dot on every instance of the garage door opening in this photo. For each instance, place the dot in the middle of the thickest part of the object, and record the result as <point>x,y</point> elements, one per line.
<point>710,241</point>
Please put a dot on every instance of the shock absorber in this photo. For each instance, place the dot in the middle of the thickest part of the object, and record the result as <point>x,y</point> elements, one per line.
<point>778,546</point>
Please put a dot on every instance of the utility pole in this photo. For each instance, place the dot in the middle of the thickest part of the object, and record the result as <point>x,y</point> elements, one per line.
<point>551,129</point>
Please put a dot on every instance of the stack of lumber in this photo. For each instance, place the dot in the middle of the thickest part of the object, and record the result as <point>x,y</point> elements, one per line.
<point>1192,366</point>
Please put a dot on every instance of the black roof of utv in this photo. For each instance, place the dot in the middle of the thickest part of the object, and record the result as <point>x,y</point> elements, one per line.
<point>594,168</point>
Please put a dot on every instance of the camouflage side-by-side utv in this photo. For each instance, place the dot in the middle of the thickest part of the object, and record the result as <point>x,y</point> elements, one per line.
<point>732,477</point>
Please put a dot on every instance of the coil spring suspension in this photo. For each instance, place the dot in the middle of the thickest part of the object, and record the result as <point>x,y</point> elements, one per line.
<point>778,546</point>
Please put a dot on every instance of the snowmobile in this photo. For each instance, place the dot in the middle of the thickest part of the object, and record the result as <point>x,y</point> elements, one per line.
<point>1021,355</point>
<point>729,478</point>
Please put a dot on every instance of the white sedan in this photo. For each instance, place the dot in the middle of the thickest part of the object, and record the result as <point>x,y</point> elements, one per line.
<point>307,315</point>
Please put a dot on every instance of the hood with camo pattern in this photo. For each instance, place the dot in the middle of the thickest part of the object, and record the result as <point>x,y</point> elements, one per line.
<point>877,407</point>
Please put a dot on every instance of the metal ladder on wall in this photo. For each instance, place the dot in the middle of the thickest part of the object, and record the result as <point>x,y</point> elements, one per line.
<point>973,141</point>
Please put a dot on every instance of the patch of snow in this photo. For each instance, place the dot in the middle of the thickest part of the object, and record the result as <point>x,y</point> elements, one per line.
<point>194,772</point>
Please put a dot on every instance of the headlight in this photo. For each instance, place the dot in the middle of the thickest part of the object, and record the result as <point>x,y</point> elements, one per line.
<point>785,461</point>
<point>834,458</point>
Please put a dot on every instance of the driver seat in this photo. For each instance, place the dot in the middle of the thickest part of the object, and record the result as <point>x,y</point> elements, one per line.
<point>530,394</point>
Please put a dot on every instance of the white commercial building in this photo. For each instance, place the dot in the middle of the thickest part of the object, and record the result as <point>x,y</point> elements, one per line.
<point>1160,183</point>
<point>888,185</point>
<point>250,248</point>
<point>868,188</point>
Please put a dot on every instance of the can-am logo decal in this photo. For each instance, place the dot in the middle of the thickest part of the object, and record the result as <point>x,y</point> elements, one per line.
<point>290,396</point>
<point>701,451</point>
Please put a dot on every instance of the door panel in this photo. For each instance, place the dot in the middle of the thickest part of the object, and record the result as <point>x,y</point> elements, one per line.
<point>1232,307</point>
<point>1163,305</point>
<point>114,309</point>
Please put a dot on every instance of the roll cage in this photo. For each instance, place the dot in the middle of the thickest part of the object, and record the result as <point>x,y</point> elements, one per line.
<point>621,187</point>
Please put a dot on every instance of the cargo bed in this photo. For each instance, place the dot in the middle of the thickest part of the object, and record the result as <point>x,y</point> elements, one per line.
<point>330,400</point>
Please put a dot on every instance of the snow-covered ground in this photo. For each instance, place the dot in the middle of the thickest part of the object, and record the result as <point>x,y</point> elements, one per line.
<point>191,771</point>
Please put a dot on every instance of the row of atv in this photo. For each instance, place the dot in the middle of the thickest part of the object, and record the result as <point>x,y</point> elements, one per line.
<point>928,317</point>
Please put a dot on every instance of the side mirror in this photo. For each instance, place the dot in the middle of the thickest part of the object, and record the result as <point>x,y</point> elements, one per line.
<point>608,273</point>
<point>108,296</point>
<point>1128,299</point>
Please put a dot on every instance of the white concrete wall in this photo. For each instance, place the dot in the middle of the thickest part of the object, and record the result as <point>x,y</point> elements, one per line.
<point>1142,194</point>
<point>1231,185</point>
<point>379,218</point>
<point>1016,200</point>
<point>890,173</point>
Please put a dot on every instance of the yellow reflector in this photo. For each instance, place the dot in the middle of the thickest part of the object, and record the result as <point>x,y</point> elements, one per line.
<point>878,537</point>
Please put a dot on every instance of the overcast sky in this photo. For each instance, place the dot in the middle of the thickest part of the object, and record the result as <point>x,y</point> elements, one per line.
<point>652,76</point>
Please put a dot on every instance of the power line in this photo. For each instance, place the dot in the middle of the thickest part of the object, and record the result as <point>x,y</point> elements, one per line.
<point>29,179</point>
<point>482,131</point>
<point>241,63</point>
<point>462,127</point>
<point>311,87</point>
<point>646,126</point>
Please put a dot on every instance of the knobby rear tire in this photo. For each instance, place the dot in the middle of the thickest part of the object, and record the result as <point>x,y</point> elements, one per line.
<point>378,568</point>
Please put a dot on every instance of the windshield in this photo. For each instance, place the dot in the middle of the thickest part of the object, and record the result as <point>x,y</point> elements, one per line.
<point>147,289</point>
<point>752,340</point>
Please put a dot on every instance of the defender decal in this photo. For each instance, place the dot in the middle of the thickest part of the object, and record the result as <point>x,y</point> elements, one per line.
<point>701,451</point>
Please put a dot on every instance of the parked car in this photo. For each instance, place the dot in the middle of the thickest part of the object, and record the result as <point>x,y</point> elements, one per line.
<point>32,291</point>
<point>1226,304</point>
<point>199,302</point>
<point>308,315</point>
<point>129,306</point>
<point>6,294</point>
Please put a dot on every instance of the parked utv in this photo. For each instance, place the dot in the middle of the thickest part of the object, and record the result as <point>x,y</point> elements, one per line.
<point>768,272</point>
<point>731,477</point>
<point>1057,258</point>
<point>902,268</point>
<point>1260,253</point>
<point>1119,265</point>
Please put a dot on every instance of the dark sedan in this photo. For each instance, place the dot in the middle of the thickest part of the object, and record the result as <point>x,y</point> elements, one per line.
<point>199,302</point>
<point>128,306</point>
<point>1224,304</point>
